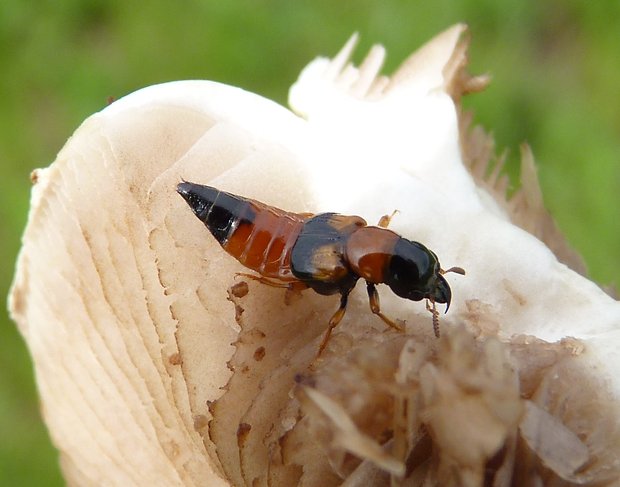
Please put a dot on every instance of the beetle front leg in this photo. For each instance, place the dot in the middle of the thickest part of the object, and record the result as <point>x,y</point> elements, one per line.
<point>373,300</point>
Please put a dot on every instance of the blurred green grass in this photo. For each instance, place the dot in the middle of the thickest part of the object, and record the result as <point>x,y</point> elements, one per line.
<point>555,84</point>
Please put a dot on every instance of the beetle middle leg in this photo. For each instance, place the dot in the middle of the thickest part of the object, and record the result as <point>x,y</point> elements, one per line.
<point>373,299</point>
<point>333,322</point>
<point>385,220</point>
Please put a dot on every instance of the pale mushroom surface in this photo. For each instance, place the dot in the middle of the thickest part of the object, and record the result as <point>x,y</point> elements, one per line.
<point>153,371</point>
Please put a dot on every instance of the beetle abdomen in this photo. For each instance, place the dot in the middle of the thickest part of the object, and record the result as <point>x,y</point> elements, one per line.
<point>259,236</point>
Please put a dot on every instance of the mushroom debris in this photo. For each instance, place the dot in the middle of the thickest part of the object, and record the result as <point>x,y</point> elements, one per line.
<point>156,366</point>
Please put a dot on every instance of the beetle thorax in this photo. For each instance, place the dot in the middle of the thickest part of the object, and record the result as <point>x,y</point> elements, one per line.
<point>368,252</point>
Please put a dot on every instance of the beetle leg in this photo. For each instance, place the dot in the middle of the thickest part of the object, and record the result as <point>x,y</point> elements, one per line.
<point>333,322</point>
<point>385,220</point>
<point>264,280</point>
<point>293,291</point>
<point>373,299</point>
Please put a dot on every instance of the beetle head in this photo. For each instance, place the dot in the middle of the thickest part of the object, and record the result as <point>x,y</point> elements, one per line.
<point>414,273</point>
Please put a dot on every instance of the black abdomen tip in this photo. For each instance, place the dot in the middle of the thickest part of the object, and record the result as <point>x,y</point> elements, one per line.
<point>199,198</point>
<point>218,210</point>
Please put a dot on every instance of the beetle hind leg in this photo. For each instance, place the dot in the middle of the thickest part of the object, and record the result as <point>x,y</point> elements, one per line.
<point>373,300</point>
<point>263,280</point>
<point>293,289</point>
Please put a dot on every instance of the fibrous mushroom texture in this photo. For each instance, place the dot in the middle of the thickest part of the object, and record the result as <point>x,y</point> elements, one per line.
<point>157,366</point>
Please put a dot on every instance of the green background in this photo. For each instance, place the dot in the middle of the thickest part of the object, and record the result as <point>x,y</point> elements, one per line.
<point>556,84</point>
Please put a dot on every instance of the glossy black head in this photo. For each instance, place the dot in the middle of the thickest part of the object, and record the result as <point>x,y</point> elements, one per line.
<point>414,273</point>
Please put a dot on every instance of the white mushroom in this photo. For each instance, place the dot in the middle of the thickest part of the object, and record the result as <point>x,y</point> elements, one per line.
<point>156,367</point>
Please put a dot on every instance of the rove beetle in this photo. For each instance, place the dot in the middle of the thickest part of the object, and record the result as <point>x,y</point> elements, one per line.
<point>327,252</point>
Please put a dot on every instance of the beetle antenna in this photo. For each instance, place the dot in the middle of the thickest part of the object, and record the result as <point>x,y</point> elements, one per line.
<point>433,310</point>
<point>435,320</point>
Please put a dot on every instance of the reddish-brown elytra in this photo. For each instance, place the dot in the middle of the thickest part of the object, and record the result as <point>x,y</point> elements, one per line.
<point>327,252</point>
